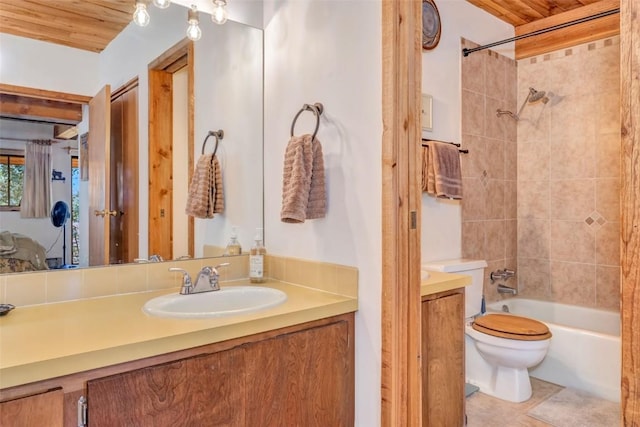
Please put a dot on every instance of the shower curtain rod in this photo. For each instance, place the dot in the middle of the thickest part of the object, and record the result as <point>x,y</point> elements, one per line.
<point>466,52</point>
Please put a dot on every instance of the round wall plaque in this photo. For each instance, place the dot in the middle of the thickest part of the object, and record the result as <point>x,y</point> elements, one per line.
<point>430,25</point>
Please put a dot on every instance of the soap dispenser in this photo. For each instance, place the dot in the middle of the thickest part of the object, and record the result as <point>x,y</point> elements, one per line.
<point>256,259</point>
<point>233,247</point>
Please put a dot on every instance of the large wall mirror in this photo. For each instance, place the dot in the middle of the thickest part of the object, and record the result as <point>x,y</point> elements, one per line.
<point>221,88</point>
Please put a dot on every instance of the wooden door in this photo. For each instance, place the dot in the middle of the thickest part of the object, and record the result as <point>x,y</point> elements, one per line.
<point>44,409</point>
<point>199,391</point>
<point>124,174</point>
<point>304,378</point>
<point>99,181</point>
<point>443,361</point>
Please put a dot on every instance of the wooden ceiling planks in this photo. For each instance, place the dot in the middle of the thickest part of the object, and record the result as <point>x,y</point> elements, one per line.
<point>519,12</point>
<point>83,24</point>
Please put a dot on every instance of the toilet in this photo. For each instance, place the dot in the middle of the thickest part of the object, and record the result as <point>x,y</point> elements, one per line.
<point>499,348</point>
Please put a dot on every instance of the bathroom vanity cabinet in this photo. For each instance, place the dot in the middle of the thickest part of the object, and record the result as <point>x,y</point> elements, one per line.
<point>443,359</point>
<point>298,375</point>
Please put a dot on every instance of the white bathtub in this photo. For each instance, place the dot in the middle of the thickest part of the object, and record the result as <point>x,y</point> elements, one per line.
<point>585,350</point>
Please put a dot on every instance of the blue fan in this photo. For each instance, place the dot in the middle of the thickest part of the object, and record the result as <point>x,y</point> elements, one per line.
<point>59,216</point>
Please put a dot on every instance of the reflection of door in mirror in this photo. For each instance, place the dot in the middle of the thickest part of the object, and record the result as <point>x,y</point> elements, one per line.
<point>171,112</point>
<point>123,245</point>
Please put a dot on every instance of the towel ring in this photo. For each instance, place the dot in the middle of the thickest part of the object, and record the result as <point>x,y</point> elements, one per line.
<point>316,109</point>
<point>218,134</point>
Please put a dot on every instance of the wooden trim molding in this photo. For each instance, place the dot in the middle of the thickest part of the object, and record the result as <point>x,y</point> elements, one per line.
<point>44,94</point>
<point>630,202</point>
<point>401,324</point>
<point>570,36</point>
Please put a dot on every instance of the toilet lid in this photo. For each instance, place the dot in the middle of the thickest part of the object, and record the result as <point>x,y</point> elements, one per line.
<point>512,327</point>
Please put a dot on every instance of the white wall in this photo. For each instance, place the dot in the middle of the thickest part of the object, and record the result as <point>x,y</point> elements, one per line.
<point>330,52</point>
<point>441,219</point>
<point>41,65</point>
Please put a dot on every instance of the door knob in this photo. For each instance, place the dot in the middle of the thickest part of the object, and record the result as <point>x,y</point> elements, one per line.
<point>99,213</point>
<point>112,213</point>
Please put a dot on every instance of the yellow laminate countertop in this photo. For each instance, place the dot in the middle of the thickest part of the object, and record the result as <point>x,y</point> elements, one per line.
<point>442,282</point>
<point>50,340</point>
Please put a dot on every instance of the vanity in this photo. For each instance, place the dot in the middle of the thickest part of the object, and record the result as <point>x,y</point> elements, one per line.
<point>104,362</point>
<point>443,349</point>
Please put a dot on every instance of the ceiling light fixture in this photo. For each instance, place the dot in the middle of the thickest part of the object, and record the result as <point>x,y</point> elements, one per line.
<point>193,31</point>
<point>220,13</point>
<point>141,16</point>
<point>162,4</point>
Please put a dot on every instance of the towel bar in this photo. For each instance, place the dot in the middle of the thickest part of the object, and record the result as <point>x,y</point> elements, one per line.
<point>464,151</point>
<point>316,109</point>
<point>218,134</point>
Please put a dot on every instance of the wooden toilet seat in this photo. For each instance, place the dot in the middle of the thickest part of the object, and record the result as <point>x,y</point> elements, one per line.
<point>512,327</point>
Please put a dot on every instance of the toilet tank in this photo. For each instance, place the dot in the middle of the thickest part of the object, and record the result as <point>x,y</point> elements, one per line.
<point>471,267</point>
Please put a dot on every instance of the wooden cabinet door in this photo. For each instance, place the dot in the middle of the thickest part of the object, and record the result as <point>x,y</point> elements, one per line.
<point>302,379</point>
<point>443,361</point>
<point>44,409</point>
<point>204,390</point>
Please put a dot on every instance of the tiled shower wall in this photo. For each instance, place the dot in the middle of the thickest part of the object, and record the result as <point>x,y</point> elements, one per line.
<point>569,176</point>
<point>489,170</point>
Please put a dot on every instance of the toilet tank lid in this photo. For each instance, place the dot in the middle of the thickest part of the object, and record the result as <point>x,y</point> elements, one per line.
<point>454,265</point>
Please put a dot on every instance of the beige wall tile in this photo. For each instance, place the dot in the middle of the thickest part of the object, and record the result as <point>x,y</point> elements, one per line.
<point>533,199</point>
<point>472,113</point>
<point>511,240</point>
<point>131,278</point>
<point>533,128</point>
<point>473,72</point>
<point>26,289</point>
<point>572,241</point>
<point>495,126</point>
<point>533,238</point>
<point>570,118</point>
<point>572,199</point>
<point>494,150</point>
<point>608,287</point>
<point>64,285</point>
<point>510,160</point>
<point>608,155</point>
<point>572,158</point>
<point>495,77</point>
<point>533,161</point>
<point>608,198</point>
<point>510,200</point>
<point>534,278</point>
<point>495,203</point>
<point>573,283</point>
<point>473,202</point>
<point>99,282</point>
<point>495,243</point>
<point>608,244</point>
<point>473,243</point>
<point>474,162</point>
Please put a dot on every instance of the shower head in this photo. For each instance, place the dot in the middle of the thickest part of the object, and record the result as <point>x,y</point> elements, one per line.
<point>535,96</point>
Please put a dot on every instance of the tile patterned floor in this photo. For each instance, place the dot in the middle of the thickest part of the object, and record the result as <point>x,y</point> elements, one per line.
<point>487,411</point>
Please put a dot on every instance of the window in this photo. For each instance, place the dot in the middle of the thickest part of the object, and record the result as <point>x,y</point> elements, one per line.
<point>11,174</point>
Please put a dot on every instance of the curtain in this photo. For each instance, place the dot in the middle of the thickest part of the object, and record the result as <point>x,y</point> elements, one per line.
<point>36,192</point>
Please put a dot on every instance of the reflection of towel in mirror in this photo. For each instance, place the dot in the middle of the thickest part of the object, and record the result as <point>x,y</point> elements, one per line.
<point>441,172</point>
<point>303,187</point>
<point>206,195</point>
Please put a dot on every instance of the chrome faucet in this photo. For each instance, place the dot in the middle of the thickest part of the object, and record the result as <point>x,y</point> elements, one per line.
<point>501,275</point>
<point>207,280</point>
<point>503,289</point>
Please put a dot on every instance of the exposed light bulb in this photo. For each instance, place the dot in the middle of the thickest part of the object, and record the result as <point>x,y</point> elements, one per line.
<point>220,14</point>
<point>162,4</point>
<point>193,31</point>
<point>141,16</point>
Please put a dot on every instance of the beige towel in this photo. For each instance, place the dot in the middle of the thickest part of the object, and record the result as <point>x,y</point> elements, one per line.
<point>303,188</point>
<point>206,195</point>
<point>441,162</point>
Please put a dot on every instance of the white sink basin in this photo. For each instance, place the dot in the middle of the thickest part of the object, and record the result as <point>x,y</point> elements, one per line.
<point>228,301</point>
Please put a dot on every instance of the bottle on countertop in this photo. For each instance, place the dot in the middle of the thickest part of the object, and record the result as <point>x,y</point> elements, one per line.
<point>233,247</point>
<point>256,259</point>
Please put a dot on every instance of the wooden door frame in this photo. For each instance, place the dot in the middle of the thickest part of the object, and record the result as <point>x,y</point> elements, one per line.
<point>401,206</point>
<point>630,208</point>
<point>175,58</point>
<point>400,282</point>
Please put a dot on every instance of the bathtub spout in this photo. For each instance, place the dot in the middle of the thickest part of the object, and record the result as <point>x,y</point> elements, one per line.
<point>503,289</point>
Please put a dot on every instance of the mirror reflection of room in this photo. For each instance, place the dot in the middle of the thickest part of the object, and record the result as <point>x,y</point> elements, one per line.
<point>225,92</point>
